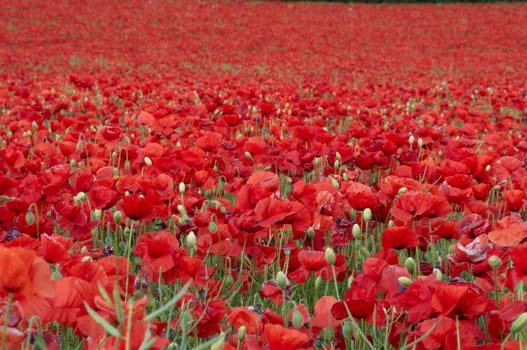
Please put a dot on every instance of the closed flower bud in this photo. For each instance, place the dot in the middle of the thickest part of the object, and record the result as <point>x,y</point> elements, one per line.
<point>96,214</point>
<point>330,256</point>
<point>495,262</point>
<point>117,217</point>
<point>402,190</point>
<point>420,142</point>
<point>353,214</point>
<point>318,281</point>
<point>335,183</point>
<point>127,164</point>
<point>310,233</point>
<point>347,330</point>
<point>297,319</point>
<point>248,155</point>
<point>404,281</point>
<point>356,232</point>
<point>30,218</point>
<point>241,333</point>
<point>519,323</point>
<point>411,140</point>
<point>190,241</point>
<point>218,344</point>
<point>182,188</point>
<point>410,265</point>
<point>281,280</point>
<point>366,215</point>
<point>439,275</point>
<point>213,228</point>
<point>148,161</point>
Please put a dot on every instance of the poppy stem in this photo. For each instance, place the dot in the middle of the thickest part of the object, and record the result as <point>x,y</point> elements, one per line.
<point>6,320</point>
<point>458,337</point>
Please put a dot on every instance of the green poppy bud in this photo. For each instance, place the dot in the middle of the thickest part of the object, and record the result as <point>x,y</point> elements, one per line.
<point>330,256</point>
<point>404,281</point>
<point>297,319</point>
<point>410,265</point>
<point>117,217</point>
<point>519,323</point>
<point>495,262</point>
<point>182,188</point>
<point>356,232</point>
<point>366,215</point>
<point>281,280</point>
<point>190,241</point>
<point>241,333</point>
<point>213,228</point>
<point>148,161</point>
<point>30,218</point>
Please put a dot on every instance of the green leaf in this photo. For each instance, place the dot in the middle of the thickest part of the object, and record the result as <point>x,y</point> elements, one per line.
<point>169,304</point>
<point>100,320</point>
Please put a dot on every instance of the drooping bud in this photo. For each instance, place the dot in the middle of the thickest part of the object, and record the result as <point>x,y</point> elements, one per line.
<point>213,228</point>
<point>310,233</point>
<point>402,190</point>
<point>30,217</point>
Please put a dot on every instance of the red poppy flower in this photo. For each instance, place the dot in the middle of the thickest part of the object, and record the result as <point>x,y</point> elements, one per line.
<point>459,299</point>
<point>399,237</point>
<point>358,300</point>
<point>280,338</point>
<point>136,207</point>
<point>510,231</point>
<point>242,316</point>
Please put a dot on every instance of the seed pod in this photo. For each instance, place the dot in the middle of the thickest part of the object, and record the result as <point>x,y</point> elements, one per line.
<point>495,262</point>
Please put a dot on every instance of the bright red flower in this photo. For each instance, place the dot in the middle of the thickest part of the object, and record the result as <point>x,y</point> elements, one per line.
<point>136,207</point>
<point>280,338</point>
<point>459,299</point>
<point>358,301</point>
<point>399,237</point>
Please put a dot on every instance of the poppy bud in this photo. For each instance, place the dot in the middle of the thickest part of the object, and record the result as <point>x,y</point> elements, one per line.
<point>218,344</point>
<point>317,162</point>
<point>420,142</point>
<point>79,145</point>
<point>366,215</point>
<point>336,164</point>
<point>182,188</point>
<point>213,228</point>
<point>248,155</point>
<point>281,280</point>
<point>79,197</point>
<point>148,161</point>
<point>338,157</point>
<point>350,280</point>
<point>404,281</point>
<point>181,209</point>
<point>439,275</point>
<point>96,214</point>
<point>297,319</point>
<point>73,163</point>
<point>411,140</point>
<point>353,214</point>
<point>335,183</point>
<point>241,333</point>
<point>330,256</point>
<point>345,177</point>
<point>190,241</point>
<point>310,233</point>
<point>127,164</point>
<point>519,323</point>
<point>488,167</point>
<point>117,217</point>
<point>402,190</point>
<point>495,262</point>
<point>347,330</point>
<point>86,258</point>
<point>356,232</point>
<point>30,218</point>
<point>229,280</point>
<point>391,223</point>
<point>410,265</point>
<point>318,281</point>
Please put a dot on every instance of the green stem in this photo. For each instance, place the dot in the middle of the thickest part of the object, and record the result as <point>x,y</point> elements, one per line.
<point>6,320</point>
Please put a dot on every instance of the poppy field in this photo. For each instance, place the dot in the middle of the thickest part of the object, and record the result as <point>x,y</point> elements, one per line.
<point>262,175</point>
